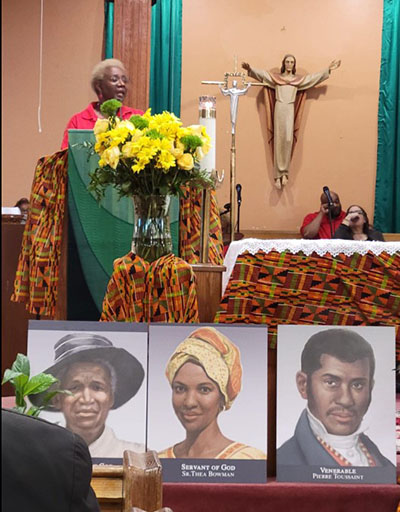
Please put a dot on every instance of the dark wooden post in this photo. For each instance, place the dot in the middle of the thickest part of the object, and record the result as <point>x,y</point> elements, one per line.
<point>132,24</point>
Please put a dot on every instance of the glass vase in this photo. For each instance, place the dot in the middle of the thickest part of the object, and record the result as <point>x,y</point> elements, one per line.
<point>152,233</point>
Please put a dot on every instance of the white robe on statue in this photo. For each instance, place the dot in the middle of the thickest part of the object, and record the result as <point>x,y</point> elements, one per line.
<point>285,96</point>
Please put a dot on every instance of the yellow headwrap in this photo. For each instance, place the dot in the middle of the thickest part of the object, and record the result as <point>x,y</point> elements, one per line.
<point>219,357</point>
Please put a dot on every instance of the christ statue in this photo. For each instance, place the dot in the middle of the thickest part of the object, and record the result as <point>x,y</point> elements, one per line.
<point>284,105</point>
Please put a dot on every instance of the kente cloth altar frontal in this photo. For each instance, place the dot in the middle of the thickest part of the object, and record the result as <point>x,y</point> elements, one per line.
<point>161,291</point>
<point>36,281</point>
<point>325,282</point>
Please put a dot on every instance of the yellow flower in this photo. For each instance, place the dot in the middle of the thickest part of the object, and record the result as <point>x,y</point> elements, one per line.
<point>177,149</point>
<point>117,135</point>
<point>126,124</point>
<point>147,114</point>
<point>197,129</point>
<point>201,151</point>
<point>182,132</point>
<point>165,160</point>
<point>138,167</point>
<point>166,123</point>
<point>111,156</point>
<point>186,162</point>
<point>101,142</point>
<point>101,126</point>
<point>200,131</point>
<point>99,148</point>
<point>129,150</point>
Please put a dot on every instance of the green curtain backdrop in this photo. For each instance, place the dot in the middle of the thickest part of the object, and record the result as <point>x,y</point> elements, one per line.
<point>108,29</point>
<point>166,56</point>
<point>387,191</point>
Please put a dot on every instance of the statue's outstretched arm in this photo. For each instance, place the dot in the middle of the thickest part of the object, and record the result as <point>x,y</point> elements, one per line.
<point>224,91</point>
<point>334,64</point>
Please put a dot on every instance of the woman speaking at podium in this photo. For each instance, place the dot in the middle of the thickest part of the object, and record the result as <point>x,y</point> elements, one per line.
<point>109,81</point>
<point>205,374</point>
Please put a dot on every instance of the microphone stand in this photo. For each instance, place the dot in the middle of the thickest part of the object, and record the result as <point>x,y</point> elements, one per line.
<point>239,202</point>
<point>330,206</point>
<point>238,235</point>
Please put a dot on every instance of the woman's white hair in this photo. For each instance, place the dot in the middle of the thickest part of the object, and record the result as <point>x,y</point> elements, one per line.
<point>100,69</point>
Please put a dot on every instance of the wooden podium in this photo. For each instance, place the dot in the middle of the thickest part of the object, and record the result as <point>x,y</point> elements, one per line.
<point>137,483</point>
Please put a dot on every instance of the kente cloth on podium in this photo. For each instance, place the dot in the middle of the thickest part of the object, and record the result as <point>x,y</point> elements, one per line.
<point>161,291</point>
<point>102,233</point>
<point>38,264</point>
<point>190,228</point>
<point>326,282</point>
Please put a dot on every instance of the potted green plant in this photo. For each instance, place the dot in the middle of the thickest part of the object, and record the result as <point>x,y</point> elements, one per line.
<point>24,385</point>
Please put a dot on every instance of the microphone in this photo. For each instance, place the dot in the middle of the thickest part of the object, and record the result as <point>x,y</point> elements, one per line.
<point>227,209</point>
<point>239,193</point>
<point>328,195</point>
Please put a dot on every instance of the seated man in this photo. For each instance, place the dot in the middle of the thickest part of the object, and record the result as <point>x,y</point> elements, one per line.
<point>317,225</point>
<point>45,468</point>
<point>109,81</point>
<point>100,377</point>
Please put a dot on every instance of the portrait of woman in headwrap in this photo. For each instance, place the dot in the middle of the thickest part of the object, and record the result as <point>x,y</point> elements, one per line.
<point>205,374</point>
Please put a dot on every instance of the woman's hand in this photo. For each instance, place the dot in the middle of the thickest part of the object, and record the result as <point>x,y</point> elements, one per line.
<point>334,64</point>
<point>350,218</point>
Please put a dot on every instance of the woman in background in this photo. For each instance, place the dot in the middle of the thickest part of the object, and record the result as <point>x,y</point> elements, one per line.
<point>205,374</point>
<point>356,226</point>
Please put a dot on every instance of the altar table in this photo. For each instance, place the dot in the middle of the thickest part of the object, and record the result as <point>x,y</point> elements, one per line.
<point>326,282</point>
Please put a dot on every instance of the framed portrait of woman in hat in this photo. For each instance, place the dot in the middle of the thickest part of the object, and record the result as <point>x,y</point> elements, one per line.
<point>207,412</point>
<point>103,366</point>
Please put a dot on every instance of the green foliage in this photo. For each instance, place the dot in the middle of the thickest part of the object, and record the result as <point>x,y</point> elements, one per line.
<point>110,107</point>
<point>139,122</point>
<point>154,134</point>
<point>191,142</point>
<point>24,386</point>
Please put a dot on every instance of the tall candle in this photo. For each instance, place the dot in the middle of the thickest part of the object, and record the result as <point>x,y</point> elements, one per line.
<point>207,118</point>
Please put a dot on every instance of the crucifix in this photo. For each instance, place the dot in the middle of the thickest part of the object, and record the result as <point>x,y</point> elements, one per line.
<point>233,92</point>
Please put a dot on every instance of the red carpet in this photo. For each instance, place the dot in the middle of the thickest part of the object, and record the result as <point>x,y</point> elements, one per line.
<point>280,497</point>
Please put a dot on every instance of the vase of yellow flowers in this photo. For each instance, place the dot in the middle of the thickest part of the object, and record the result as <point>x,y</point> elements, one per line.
<point>151,233</point>
<point>148,158</point>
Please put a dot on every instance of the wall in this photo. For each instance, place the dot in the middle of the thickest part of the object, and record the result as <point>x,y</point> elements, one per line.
<point>338,136</point>
<point>337,144</point>
<point>72,45</point>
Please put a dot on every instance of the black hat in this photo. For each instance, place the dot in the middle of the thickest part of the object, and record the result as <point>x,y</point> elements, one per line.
<point>89,347</point>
